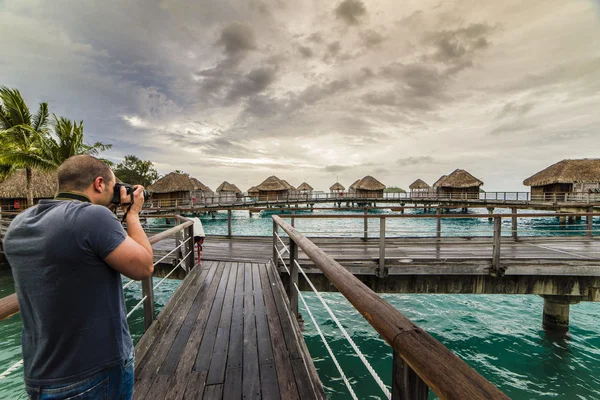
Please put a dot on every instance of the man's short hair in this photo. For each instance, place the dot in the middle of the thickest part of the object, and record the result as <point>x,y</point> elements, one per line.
<point>79,172</point>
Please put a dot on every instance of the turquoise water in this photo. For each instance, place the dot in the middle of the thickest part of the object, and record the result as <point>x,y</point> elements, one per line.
<point>500,336</point>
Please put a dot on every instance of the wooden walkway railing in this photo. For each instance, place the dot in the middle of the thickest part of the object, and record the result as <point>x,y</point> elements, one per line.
<point>419,361</point>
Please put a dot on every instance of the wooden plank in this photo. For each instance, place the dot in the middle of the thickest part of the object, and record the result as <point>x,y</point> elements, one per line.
<point>147,340</point>
<point>304,380</point>
<point>147,375</point>
<point>232,388</point>
<point>169,366</point>
<point>211,331</point>
<point>185,380</point>
<point>214,392</point>
<point>268,373</point>
<point>250,368</point>
<point>9,305</point>
<point>285,375</point>
<point>218,363</point>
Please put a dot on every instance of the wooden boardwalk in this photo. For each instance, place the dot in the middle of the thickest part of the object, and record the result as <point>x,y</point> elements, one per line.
<point>227,333</point>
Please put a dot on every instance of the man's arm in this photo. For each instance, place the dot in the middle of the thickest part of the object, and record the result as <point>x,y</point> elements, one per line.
<point>134,257</point>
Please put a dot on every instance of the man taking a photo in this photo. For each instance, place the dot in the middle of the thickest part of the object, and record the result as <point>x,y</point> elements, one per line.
<point>67,256</point>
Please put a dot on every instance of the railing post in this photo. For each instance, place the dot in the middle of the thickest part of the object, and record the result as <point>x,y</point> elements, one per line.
<point>438,223</point>
<point>190,248</point>
<point>228,223</point>
<point>293,276</point>
<point>406,384</point>
<point>381,247</point>
<point>178,253</point>
<point>293,219</point>
<point>588,222</point>
<point>275,232</point>
<point>514,223</point>
<point>148,292</point>
<point>366,225</point>
<point>496,246</point>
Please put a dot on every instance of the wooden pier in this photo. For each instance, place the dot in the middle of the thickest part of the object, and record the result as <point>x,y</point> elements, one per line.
<point>227,333</point>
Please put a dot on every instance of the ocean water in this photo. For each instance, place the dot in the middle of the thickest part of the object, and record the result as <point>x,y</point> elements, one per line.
<point>500,336</point>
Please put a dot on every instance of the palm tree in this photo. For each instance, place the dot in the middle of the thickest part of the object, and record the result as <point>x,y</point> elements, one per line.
<point>67,141</point>
<point>22,135</point>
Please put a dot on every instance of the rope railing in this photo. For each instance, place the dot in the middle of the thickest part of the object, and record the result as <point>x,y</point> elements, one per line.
<point>420,361</point>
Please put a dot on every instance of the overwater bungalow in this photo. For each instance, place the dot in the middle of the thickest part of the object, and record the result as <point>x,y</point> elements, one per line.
<point>175,189</point>
<point>274,188</point>
<point>304,191</point>
<point>567,176</point>
<point>352,188</point>
<point>458,185</point>
<point>419,189</point>
<point>337,189</point>
<point>369,188</point>
<point>253,192</point>
<point>228,192</point>
<point>13,190</point>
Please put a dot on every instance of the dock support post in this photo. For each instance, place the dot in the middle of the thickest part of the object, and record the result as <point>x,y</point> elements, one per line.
<point>589,220</point>
<point>402,209</point>
<point>293,219</point>
<point>556,314</point>
<point>148,292</point>
<point>490,211</point>
<point>514,223</point>
<point>275,232</point>
<point>366,225</point>
<point>228,223</point>
<point>382,247</point>
<point>190,262</point>
<point>406,384</point>
<point>293,277</point>
<point>496,248</point>
<point>438,223</point>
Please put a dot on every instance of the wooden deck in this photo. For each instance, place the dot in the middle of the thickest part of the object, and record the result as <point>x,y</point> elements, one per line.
<point>227,333</point>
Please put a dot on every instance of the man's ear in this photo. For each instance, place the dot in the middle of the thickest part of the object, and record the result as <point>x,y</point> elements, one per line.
<point>99,184</point>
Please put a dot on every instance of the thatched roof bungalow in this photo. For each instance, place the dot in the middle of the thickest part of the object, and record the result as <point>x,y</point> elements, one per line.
<point>175,189</point>
<point>337,188</point>
<point>253,191</point>
<point>458,185</point>
<point>228,191</point>
<point>274,188</point>
<point>566,176</point>
<point>369,188</point>
<point>419,188</point>
<point>13,190</point>
<point>352,188</point>
<point>305,188</point>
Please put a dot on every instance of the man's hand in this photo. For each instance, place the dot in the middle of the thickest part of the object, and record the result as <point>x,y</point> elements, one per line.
<point>138,200</point>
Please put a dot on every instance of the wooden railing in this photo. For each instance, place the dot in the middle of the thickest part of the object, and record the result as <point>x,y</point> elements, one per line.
<point>419,361</point>
<point>184,244</point>
<point>495,235</point>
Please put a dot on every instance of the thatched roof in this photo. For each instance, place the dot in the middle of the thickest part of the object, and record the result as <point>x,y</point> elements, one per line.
<point>353,186</point>
<point>173,182</point>
<point>586,170</point>
<point>227,187</point>
<point>419,184</point>
<point>253,189</point>
<point>272,184</point>
<point>337,186</point>
<point>288,185</point>
<point>44,184</point>
<point>458,179</point>
<point>369,183</point>
<point>199,185</point>
<point>305,186</point>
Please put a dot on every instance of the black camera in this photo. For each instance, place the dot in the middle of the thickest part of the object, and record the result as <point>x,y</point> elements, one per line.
<point>130,189</point>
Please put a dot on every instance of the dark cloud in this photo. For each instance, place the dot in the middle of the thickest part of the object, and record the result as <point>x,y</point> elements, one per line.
<point>254,82</point>
<point>350,11</point>
<point>371,38</point>
<point>387,98</point>
<point>262,106</point>
<point>512,109</point>
<point>338,168</point>
<point>315,93</point>
<point>306,52</point>
<point>315,37</point>
<point>237,38</point>
<point>410,161</point>
<point>417,80</point>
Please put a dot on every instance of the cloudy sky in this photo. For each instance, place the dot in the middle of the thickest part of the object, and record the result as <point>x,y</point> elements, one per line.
<point>312,90</point>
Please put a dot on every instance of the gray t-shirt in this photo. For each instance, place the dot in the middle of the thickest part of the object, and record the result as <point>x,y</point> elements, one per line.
<point>72,303</point>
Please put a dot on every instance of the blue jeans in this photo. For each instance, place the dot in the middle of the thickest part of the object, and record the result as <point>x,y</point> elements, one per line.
<point>113,383</point>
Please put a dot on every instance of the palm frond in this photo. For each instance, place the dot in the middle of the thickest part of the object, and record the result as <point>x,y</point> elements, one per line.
<point>41,118</point>
<point>24,159</point>
<point>15,106</point>
<point>5,121</point>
